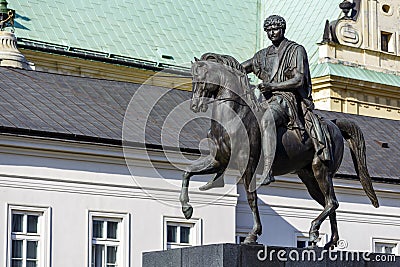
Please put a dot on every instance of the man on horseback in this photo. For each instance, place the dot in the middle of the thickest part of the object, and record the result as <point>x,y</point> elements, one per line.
<point>286,85</point>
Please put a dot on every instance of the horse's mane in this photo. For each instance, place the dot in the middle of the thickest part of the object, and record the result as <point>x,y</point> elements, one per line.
<point>234,65</point>
<point>224,59</point>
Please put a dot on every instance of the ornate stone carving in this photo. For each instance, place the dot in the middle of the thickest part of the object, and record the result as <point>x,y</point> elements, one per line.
<point>10,56</point>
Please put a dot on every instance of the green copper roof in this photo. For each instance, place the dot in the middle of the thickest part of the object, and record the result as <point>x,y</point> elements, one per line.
<point>305,20</point>
<point>148,29</point>
<point>144,29</point>
<point>357,73</point>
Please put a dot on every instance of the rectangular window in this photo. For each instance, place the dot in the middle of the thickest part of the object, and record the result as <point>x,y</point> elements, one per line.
<point>302,240</point>
<point>240,239</point>
<point>28,244</point>
<point>387,42</point>
<point>109,239</point>
<point>181,233</point>
<point>386,246</point>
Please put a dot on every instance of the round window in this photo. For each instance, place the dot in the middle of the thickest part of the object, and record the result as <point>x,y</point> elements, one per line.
<point>386,8</point>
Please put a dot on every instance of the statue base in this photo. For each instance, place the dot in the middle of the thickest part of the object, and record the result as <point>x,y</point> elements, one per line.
<point>234,255</point>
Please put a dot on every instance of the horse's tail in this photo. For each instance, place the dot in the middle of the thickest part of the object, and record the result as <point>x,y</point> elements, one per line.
<point>353,135</point>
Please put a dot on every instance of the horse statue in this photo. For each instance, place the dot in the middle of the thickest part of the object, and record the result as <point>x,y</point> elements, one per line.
<point>223,79</point>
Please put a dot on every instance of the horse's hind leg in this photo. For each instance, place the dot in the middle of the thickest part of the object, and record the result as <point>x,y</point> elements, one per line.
<point>324,180</point>
<point>335,233</point>
<point>207,166</point>
<point>307,176</point>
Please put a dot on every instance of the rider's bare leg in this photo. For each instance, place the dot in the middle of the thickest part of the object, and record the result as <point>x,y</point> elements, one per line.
<point>268,135</point>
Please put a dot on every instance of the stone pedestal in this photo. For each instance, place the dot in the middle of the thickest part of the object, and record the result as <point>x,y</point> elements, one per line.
<point>233,255</point>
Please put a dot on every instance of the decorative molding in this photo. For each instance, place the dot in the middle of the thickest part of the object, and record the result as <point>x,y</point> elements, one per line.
<point>169,195</point>
<point>347,33</point>
<point>103,154</point>
<point>311,213</point>
<point>341,186</point>
<point>337,89</point>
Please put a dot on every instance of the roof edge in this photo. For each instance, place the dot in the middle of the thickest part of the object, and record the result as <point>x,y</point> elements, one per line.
<point>354,72</point>
<point>90,139</point>
<point>101,56</point>
<point>107,141</point>
<point>374,179</point>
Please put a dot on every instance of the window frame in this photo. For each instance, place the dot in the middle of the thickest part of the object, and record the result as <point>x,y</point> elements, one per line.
<point>123,235</point>
<point>43,235</point>
<point>195,237</point>
<point>240,237</point>
<point>388,241</point>
<point>304,236</point>
<point>388,42</point>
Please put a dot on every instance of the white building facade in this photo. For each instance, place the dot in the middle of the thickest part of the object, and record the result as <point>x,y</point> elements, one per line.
<point>69,203</point>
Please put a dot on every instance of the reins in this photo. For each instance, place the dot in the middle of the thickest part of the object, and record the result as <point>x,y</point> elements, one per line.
<point>228,99</point>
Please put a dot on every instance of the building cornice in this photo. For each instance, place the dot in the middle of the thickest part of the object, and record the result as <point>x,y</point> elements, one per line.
<point>119,184</point>
<point>81,64</point>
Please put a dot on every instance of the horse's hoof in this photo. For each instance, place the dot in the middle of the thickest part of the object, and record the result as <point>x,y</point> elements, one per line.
<point>312,245</point>
<point>329,246</point>
<point>187,211</point>
<point>313,236</point>
<point>250,239</point>
<point>266,179</point>
<point>332,243</point>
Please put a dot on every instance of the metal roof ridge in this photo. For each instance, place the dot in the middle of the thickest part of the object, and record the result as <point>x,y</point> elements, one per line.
<point>73,75</point>
<point>360,73</point>
<point>104,56</point>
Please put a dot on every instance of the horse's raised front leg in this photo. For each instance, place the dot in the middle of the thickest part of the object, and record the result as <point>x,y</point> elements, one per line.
<point>207,166</point>
<point>331,204</point>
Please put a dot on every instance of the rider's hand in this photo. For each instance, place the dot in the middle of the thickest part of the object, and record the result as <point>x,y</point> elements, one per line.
<point>265,87</point>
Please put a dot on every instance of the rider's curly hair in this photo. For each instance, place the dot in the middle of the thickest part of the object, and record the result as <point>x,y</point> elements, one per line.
<point>275,20</point>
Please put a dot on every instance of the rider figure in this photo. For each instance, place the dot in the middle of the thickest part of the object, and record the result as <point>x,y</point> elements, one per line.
<point>286,84</point>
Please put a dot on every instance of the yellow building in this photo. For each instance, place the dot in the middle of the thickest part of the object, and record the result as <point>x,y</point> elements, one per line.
<point>359,61</point>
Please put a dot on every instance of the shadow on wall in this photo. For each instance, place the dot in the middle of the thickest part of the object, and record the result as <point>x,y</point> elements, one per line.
<point>276,230</point>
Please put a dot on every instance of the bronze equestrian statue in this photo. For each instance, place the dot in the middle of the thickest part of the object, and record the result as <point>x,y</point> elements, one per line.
<point>305,144</point>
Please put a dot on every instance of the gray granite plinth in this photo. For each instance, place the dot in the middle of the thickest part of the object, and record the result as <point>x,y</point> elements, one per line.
<point>234,255</point>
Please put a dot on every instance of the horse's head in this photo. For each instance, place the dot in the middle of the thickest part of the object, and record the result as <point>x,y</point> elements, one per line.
<point>204,85</point>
